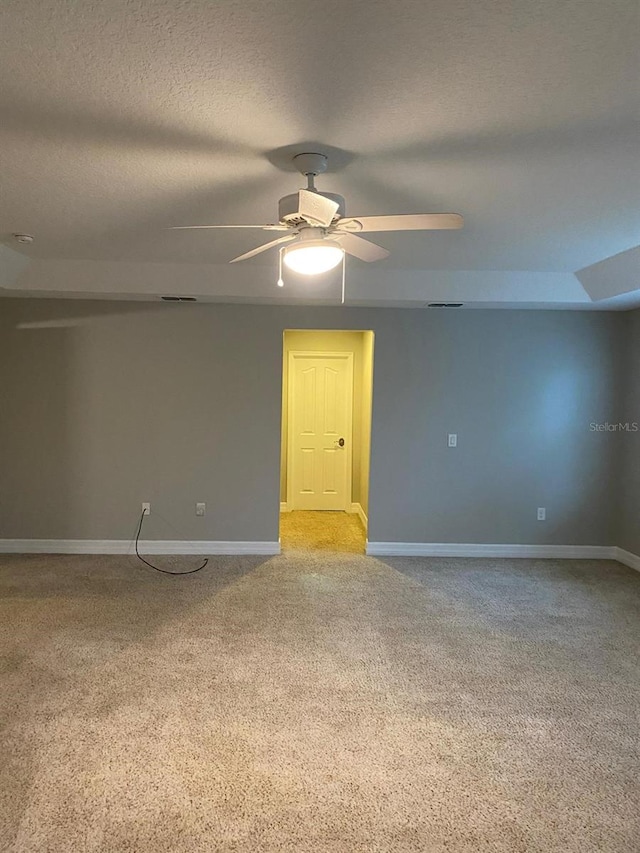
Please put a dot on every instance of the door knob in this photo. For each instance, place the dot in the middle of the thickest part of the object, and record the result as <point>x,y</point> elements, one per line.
<point>341,442</point>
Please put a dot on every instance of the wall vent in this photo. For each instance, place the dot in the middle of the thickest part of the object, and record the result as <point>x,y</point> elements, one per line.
<point>445,304</point>
<point>178,298</point>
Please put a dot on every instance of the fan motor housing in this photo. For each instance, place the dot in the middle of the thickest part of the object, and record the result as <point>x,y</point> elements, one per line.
<point>288,208</point>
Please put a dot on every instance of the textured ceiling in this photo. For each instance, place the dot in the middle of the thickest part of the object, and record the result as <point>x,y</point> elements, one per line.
<point>121,117</point>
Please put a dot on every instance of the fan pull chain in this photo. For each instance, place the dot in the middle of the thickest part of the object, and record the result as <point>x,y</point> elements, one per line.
<point>280,279</point>
<point>344,277</point>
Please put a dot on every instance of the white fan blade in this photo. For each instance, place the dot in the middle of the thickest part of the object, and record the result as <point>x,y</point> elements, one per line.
<point>316,209</point>
<point>359,247</point>
<point>196,227</point>
<point>264,248</point>
<point>402,222</point>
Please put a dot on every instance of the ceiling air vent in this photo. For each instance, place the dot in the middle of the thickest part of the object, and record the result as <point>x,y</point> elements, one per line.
<point>445,304</point>
<point>178,298</point>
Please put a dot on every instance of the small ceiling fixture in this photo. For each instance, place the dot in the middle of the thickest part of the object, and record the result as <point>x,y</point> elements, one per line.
<point>312,257</point>
<point>23,238</point>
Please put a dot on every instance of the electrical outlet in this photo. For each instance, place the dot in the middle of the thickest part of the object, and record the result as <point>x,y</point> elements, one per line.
<point>146,508</point>
<point>542,513</point>
<point>452,439</point>
<point>201,508</point>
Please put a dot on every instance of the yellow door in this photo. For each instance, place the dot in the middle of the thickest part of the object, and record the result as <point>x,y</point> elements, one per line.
<point>320,412</point>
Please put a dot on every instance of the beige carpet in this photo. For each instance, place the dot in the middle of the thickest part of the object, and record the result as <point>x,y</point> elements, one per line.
<point>319,703</point>
<point>322,531</point>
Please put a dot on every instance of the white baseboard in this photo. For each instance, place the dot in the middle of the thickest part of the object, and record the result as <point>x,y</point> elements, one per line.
<point>124,546</point>
<point>446,549</point>
<point>374,549</point>
<point>357,509</point>
<point>627,558</point>
<point>284,506</point>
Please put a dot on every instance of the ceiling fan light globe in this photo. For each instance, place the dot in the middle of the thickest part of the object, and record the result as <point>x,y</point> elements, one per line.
<point>313,257</point>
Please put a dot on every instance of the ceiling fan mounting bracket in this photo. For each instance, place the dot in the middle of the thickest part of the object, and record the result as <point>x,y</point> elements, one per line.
<point>311,163</point>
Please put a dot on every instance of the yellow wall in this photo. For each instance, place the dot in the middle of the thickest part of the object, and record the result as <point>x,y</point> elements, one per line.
<point>366,407</point>
<point>361,345</point>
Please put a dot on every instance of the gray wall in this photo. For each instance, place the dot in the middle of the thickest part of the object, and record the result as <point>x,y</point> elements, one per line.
<point>628,535</point>
<point>108,404</point>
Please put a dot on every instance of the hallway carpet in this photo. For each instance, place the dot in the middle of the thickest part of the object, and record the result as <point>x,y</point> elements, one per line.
<point>322,531</point>
<point>319,703</point>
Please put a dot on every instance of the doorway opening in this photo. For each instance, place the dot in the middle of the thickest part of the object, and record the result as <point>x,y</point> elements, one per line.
<point>327,393</point>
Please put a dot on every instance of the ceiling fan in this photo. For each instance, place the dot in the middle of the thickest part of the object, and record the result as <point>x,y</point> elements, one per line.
<point>319,233</point>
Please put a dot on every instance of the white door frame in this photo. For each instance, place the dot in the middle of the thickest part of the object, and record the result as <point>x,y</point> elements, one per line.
<point>348,356</point>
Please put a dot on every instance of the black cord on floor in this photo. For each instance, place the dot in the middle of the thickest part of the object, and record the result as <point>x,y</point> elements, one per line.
<point>164,571</point>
